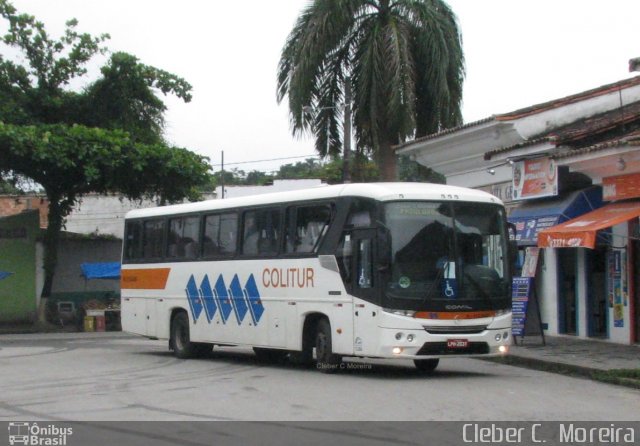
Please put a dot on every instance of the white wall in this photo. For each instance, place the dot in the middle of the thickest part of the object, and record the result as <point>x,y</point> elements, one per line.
<point>104,214</point>
<point>549,290</point>
<point>621,335</point>
<point>582,293</point>
<point>278,186</point>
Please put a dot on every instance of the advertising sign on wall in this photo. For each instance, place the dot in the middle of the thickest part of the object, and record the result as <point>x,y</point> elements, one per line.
<point>621,187</point>
<point>535,178</point>
<point>530,262</point>
<point>616,287</point>
<point>503,191</point>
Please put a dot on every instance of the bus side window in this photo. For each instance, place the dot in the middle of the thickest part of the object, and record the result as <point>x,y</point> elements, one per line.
<point>305,228</point>
<point>343,257</point>
<point>250,234</point>
<point>153,239</point>
<point>261,232</point>
<point>220,235</point>
<point>182,242</point>
<point>133,239</point>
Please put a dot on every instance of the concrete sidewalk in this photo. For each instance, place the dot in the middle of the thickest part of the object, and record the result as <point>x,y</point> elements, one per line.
<point>578,354</point>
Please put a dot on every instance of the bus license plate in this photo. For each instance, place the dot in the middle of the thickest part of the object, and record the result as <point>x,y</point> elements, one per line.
<point>457,343</point>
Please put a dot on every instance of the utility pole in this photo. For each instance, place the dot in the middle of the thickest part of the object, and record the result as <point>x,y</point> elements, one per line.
<point>222,176</point>
<point>346,172</point>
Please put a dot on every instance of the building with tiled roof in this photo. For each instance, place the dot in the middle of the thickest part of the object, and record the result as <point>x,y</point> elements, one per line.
<point>569,173</point>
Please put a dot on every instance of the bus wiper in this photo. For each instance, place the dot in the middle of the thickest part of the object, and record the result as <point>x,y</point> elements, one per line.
<point>477,286</point>
<point>436,280</point>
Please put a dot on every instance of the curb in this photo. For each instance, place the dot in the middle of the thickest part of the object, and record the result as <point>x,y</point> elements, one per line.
<point>566,369</point>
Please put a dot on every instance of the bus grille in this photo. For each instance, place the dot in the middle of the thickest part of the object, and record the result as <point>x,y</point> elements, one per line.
<point>468,329</point>
<point>440,348</point>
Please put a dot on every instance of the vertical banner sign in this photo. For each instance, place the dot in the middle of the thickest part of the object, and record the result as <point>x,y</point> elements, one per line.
<point>521,290</point>
<point>610,267</point>
<point>625,279</point>
<point>530,261</point>
<point>535,178</point>
<point>618,307</point>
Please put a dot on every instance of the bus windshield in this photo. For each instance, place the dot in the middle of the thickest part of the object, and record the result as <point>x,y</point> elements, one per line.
<point>447,253</point>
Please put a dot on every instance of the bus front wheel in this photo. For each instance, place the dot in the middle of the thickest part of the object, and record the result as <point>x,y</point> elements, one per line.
<point>426,365</point>
<point>327,361</point>
<point>181,343</point>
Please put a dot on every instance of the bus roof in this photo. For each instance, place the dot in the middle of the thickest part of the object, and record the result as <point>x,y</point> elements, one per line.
<point>376,191</point>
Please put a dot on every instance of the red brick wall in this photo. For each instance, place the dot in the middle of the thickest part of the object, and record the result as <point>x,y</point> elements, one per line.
<point>15,204</point>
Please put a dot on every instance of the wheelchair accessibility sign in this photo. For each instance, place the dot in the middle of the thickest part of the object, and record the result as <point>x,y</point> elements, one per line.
<point>450,288</point>
<point>449,283</point>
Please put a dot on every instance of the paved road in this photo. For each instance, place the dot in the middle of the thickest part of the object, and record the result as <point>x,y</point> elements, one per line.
<point>113,376</point>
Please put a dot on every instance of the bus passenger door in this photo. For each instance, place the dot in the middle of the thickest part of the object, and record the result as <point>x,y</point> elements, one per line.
<point>365,289</point>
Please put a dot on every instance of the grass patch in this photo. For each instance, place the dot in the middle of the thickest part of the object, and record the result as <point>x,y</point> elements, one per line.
<point>620,377</point>
<point>623,377</point>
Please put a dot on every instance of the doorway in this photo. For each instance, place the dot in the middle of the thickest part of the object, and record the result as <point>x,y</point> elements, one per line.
<point>567,309</point>
<point>597,291</point>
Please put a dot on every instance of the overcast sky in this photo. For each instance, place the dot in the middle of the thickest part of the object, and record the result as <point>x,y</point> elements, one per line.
<point>518,53</point>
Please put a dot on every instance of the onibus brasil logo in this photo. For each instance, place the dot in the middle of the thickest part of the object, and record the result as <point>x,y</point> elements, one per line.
<point>33,434</point>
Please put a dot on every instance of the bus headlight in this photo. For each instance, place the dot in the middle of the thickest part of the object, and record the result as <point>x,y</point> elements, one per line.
<point>498,337</point>
<point>397,350</point>
<point>398,336</point>
<point>502,312</point>
<point>503,349</point>
<point>505,335</point>
<point>410,338</point>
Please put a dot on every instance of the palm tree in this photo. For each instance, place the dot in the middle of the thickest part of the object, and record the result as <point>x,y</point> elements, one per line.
<point>403,58</point>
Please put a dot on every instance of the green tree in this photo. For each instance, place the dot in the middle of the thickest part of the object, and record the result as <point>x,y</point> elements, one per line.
<point>107,138</point>
<point>403,58</point>
<point>257,178</point>
<point>413,171</point>
<point>309,168</point>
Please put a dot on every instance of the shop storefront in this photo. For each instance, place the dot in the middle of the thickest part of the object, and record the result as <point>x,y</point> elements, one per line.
<point>556,276</point>
<point>602,299</point>
<point>544,161</point>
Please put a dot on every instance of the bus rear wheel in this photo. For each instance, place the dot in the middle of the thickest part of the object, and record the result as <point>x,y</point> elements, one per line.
<point>426,365</point>
<point>327,361</point>
<point>181,343</point>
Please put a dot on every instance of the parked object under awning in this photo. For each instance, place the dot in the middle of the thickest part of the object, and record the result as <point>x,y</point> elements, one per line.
<point>581,232</point>
<point>107,270</point>
<point>532,217</point>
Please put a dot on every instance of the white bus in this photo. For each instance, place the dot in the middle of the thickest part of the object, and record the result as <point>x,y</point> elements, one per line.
<point>385,270</point>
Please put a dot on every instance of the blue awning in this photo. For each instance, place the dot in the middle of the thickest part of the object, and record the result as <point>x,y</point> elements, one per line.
<point>4,274</point>
<point>108,270</point>
<point>531,218</point>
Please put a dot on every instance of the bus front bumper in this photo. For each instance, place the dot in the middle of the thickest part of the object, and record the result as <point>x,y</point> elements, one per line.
<point>418,344</point>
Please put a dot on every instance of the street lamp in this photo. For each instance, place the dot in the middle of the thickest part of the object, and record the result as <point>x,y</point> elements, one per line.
<point>346,172</point>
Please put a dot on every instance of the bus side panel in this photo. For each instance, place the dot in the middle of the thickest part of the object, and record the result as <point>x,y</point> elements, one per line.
<point>133,314</point>
<point>164,308</point>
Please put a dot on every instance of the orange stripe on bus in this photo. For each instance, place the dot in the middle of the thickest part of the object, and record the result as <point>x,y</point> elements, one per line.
<point>144,279</point>
<point>454,314</point>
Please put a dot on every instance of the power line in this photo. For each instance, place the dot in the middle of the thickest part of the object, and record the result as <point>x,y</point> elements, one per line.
<point>265,160</point>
